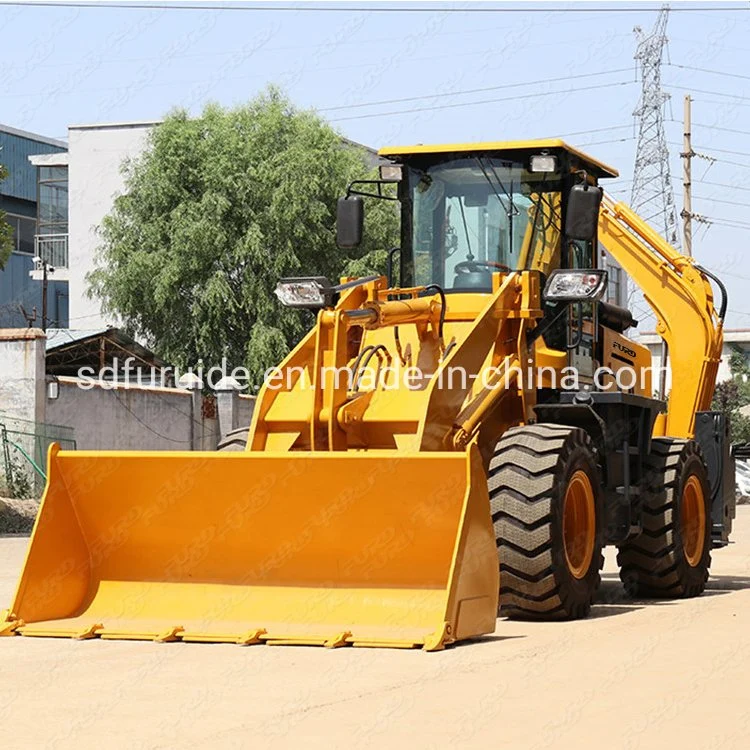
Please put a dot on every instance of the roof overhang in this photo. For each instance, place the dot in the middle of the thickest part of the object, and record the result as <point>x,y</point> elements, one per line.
<point>597,167</point>
<point>50,160</point>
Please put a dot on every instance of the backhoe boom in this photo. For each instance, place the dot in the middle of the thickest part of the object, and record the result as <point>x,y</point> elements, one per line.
<point>682,300</point>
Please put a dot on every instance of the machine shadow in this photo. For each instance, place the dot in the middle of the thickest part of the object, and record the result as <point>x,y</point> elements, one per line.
<point>727,584</point>
<point>486,638</point>
<point>611,599</point>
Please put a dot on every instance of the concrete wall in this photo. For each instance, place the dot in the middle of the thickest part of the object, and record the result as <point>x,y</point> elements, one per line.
<point>234,410</point>
<point>96,154</point>
<point>22,374</point>
<point>131,417</point>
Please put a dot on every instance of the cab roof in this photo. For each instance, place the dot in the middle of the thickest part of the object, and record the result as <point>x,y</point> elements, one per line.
<point>594,165</point>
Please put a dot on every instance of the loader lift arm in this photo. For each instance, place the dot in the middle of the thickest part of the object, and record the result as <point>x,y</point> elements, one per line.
<point>680,294</point>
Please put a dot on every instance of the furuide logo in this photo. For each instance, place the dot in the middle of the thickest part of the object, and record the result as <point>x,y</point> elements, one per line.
<point>624,349</point>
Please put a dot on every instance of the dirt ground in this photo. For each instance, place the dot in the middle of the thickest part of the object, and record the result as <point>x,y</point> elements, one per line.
<point>634,675</point>
<point>17,516</point>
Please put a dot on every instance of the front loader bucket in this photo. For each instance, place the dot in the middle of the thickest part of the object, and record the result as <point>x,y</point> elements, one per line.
<point>376,549</point>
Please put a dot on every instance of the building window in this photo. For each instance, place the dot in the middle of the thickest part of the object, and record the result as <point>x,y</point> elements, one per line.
<point>53,200</point>
<point>23,233</point>
<point>614,287</point>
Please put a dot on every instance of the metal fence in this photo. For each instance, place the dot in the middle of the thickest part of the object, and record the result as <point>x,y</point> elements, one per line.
<point>24,445</point>
<point>53,248</point>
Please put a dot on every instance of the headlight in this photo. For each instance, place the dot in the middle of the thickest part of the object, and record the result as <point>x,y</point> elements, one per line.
<point>311,293</point>
<point>575,286</point>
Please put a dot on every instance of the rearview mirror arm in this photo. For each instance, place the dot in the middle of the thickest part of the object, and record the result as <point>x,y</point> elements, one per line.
<point>351,190</point>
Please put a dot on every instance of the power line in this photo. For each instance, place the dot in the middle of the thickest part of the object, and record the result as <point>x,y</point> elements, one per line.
<point>357,9</point>
<point>720,103</point>
<point>716,127</point>
<point>722,151</point>
<point>733,223</point>
<point>474,91</point>
<point>612,140</point>
<point>339,43</point>
<point>723,130</point>
<point>597,130</point>
<point>708,70</point>
<point>694,42</point>
<point>483,101</point>
<point>723,184</point>
<point>710,93</point>
<point>721,200</point>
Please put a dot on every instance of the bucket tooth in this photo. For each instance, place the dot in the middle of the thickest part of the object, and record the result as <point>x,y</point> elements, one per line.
<point>342,639</point>
<point>8,623</point>
<point>251,637</point>
<point>92,631</point>
<point>170,635</point>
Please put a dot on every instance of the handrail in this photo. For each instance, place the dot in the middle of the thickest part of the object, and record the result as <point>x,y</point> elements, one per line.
<point>29,459</point>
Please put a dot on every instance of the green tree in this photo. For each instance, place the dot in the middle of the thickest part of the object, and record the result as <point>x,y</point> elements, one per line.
<point>214,212</point>
<point>6,231</point>
<point>731,395</point>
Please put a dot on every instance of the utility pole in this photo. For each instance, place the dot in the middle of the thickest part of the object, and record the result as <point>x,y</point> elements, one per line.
<point>45,284</point>
<point>687,207</point>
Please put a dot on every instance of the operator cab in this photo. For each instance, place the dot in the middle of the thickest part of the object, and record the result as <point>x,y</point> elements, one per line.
<point>469,211</point>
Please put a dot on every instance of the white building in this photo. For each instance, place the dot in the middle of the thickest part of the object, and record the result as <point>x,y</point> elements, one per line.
<point>95,157</point>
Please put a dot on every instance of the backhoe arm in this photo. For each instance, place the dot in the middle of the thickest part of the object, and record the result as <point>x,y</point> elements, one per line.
<point>679,293</point>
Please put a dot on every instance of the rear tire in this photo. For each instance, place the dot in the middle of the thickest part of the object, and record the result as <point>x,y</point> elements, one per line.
<point>671,557</point>
<point>546,504</point>
<point>234,440</point>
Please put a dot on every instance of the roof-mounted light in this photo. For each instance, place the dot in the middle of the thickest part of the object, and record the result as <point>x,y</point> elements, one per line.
<point>546,163</point>
<point>391,172</point>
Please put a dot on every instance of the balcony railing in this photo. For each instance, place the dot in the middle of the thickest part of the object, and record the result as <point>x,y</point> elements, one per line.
<point>52,248</point>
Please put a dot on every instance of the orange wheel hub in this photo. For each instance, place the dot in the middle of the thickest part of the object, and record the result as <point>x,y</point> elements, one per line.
<point>579,524</point>
<point>693,520</point>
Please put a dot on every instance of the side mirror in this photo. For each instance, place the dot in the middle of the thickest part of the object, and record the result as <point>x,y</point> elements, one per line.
<point>350,217</point>
<point>582,214</point>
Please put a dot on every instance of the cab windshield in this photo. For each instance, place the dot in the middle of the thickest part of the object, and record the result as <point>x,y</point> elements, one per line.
<point>478,215</point>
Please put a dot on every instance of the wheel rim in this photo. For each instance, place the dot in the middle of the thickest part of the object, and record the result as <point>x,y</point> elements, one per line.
<point>579,524</point>
<point>693,520</point>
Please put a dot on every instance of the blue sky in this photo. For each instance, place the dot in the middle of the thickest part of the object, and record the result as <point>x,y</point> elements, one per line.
<point>62,66</point>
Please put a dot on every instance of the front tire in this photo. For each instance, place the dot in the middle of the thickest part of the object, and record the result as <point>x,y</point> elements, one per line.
<point>234,440</point>
<point>546,503</point>
<point>671,557</point>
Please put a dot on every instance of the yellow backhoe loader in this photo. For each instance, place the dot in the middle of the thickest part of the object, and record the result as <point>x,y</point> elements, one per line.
<point>465,439</point>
